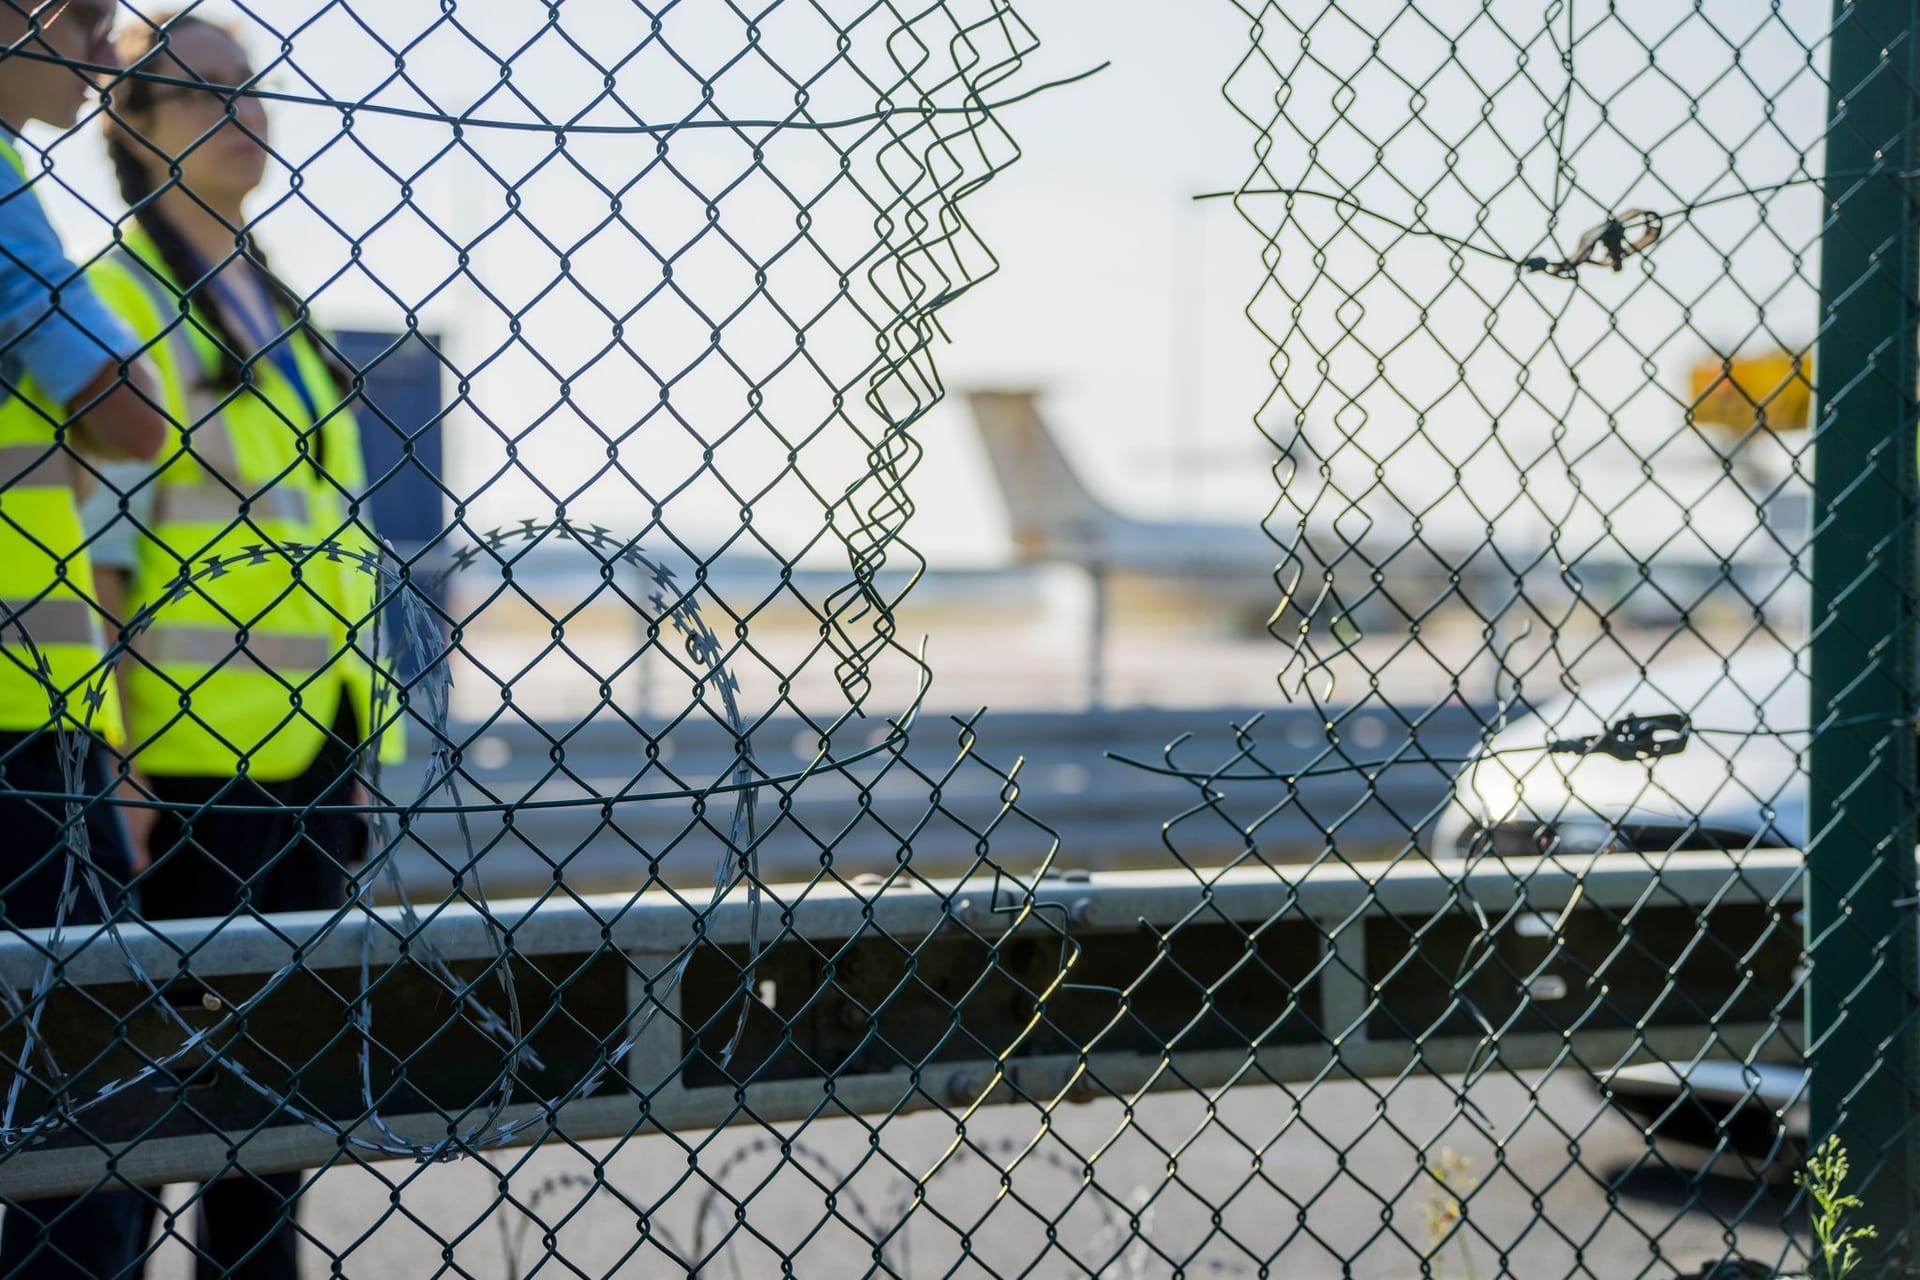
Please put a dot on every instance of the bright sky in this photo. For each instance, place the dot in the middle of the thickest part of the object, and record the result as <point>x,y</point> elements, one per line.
<point>1117,292</point>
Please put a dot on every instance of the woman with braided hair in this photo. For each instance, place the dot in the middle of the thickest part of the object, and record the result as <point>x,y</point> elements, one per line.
<point>251,693</point>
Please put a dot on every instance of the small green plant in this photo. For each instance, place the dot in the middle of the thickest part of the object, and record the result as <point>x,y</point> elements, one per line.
<point>1836,1243</point>
<point>1443,1208</point>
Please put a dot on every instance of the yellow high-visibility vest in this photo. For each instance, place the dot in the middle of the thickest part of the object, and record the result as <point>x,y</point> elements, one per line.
<point>51,637</point>
<point>245,670</point>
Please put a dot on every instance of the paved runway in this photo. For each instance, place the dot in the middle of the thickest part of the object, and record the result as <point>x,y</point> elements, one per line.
<point>593,807</point>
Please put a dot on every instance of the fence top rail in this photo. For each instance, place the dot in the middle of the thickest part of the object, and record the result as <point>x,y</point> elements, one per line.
<point>662,923</point>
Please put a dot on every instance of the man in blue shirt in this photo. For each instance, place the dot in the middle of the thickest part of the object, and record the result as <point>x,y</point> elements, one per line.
<point>51,321</point>
<point>56,331</point>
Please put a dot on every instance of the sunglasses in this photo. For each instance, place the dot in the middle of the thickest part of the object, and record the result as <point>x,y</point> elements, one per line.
<point>206,98</point>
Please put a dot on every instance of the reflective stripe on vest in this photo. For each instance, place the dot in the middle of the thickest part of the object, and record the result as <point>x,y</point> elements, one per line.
<point>275,650</point>
<point>36,464</point>
<point>40,629</point>
<point>213,499</point>
<point>38,623</point>
<point>211,502</point>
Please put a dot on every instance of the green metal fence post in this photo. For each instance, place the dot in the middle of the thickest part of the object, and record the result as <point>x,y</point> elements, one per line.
<point>1860,863</point>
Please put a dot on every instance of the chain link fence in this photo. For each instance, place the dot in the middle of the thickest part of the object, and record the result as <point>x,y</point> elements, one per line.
<point>473,802</point>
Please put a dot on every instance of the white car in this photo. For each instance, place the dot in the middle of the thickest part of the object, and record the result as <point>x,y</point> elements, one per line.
<point>1696,755</point>
<point>1735,781</point>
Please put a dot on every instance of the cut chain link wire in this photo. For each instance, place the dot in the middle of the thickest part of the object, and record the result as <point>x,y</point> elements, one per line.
<point>1505,521</point>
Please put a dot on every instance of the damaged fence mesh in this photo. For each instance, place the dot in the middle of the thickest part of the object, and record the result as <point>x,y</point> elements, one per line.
<point>473,801</point>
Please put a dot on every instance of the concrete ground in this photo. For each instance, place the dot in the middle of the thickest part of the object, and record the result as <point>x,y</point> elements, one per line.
<point>1336,1181</point>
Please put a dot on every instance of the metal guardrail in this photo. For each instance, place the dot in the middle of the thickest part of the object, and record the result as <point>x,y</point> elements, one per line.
<point>907,997</point>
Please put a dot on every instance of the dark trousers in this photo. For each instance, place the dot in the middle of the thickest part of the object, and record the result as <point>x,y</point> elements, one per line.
<point>33,833</point>
<point>99,1234</point>
<point>265,856</point>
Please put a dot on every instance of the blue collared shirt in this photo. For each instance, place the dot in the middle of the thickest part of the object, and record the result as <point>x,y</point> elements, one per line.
<point>52,323</point>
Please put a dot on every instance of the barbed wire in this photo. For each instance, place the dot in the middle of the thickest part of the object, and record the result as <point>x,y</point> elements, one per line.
<point>422,644</point>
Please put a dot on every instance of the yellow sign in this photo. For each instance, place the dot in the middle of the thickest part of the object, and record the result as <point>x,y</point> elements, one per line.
<point>1772,391</point>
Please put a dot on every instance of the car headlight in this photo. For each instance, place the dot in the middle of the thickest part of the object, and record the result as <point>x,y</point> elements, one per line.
<point>1526,838</point>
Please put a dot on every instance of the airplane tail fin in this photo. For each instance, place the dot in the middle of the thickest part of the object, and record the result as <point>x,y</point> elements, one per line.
<point>1053,513</point>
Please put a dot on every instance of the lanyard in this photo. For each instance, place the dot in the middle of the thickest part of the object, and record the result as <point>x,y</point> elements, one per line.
<point>276,347</point>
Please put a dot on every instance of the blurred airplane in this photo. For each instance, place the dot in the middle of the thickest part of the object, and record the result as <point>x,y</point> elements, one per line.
<point>1382,568</point>
<point>1055,517</point>
<point>1237,570</point>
